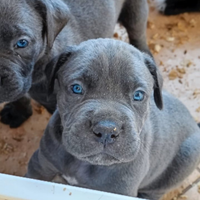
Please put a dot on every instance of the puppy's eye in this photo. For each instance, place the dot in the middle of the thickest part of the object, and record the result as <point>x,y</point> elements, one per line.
<point>77,89</point>
<point>22,43</point>
<point>138,95</point>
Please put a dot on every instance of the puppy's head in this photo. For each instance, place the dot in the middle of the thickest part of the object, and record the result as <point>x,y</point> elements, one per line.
<point>104,91</point>
<point>28,30</point>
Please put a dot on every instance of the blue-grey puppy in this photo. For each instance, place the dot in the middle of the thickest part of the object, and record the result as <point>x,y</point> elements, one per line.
<point>115,130</point>
<point>35,31</point>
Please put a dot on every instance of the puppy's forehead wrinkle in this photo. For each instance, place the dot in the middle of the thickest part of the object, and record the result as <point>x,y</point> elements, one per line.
<point>11,12</point>
<point>20,11</point>
<point>116,68</point>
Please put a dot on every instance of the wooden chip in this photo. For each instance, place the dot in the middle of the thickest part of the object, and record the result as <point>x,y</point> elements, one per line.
<point>5,147</point>
<point>150,25</point>
<point>116,35</point>
<point>155,36</point>
<point>196,93</point>
<point>192,23</point>
<point>157,48</point>
<point>173,74</point>
<point>198,109</point>
<point>181,70</point>
<point>199,188</point>
<point>170,39</point>
<point>183,197</point>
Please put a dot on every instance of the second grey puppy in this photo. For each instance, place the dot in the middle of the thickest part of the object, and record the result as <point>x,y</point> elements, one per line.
<point>35,31</point>
<point>110,132</point>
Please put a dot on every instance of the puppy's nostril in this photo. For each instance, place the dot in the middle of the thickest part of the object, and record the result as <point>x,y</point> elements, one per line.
<point>114,136</point>
<point>98,134</point>
<point>2,79</point>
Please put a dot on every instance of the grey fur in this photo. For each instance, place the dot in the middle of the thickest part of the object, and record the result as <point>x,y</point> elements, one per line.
<point>153,149</point>
<point>50,26</point>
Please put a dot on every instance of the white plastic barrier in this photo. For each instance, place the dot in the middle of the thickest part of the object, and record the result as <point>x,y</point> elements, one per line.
<point>18,188</point>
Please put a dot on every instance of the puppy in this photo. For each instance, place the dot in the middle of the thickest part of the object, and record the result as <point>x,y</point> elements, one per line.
<point>34,31</point>
<point>174,7</point>
<point>110,132</point>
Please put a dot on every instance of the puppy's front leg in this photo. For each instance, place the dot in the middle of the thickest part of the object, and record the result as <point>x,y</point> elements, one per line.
<point>17,112</point>
<point>40,168</point>
<point>134,18</point>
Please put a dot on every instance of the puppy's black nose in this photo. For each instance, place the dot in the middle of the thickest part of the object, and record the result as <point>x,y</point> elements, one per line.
<point>107,131</point>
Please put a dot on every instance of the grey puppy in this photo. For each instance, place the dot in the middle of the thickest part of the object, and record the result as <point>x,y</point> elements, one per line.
<point>110,132</point>
<point>34,31</point>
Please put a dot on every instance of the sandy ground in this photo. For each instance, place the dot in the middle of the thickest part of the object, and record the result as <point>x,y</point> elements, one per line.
<point>175,43</point>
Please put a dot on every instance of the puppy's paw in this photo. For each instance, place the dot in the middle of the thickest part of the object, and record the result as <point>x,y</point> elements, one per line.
<point>13,116</point>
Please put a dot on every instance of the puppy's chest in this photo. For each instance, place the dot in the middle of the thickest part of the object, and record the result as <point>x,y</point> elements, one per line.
<point>83,175</point>
<point>71,180</point>
<point>76,174</point>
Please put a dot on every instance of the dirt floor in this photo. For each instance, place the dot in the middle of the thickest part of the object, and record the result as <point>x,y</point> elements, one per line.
<point>175,43</point>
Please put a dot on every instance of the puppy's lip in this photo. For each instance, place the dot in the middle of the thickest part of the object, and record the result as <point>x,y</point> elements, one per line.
<point>101,153</point>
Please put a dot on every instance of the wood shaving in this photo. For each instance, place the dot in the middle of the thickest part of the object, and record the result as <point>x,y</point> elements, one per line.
<point>116,35</point>
<point>170,26</point>
<point>199,188</point>
<point>173,74</point>
<point>192,23</point>
<point>39,109</point>
<point>150,25</point>
<point>161,63</point>
<point>196,119</point>
<point>181,70</point>
<point>180,75</point>
<point>22,162</point>
<point>186,63</point>
<point>157,48</point>
<point>189,64</point>
<point>18,138</point>
<point>5,147</point>
<point>155,36</point>
<point>170,39</point>
<point>183,197</point>
<point>196,93</point>
<point>198,109</point>
<point>184,16</point>
<point>181,26</point>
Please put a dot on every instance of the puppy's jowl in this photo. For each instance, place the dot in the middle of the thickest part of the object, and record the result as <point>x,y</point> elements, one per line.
<point>115,130</point>
<point>34,31</point>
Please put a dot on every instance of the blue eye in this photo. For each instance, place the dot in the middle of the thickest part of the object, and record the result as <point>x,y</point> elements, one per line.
<point>77,89</point>
<point>22,43</point>
<point>138,95</point>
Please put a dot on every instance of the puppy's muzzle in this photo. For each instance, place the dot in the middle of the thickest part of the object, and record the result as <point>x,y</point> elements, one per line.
<point>106,131</point>
<point>12,83</point>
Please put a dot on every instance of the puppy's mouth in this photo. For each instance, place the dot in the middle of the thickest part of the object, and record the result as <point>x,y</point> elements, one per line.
<point>102,158</point>
<point>10,93</point>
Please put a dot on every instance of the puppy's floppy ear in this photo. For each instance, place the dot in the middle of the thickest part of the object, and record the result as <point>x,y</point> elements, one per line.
<point>158,80</point>
<point>55,15</point>
<point>53,66</point>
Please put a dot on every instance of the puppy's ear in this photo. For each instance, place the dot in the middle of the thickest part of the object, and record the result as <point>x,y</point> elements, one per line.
<point>53,66</point>
<point>158,80</point>
<point>55,15</point>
